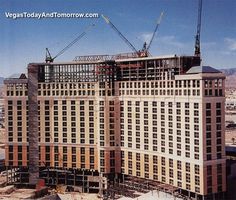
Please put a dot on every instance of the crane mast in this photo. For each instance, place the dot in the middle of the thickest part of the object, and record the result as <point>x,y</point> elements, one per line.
<point>197,39</point>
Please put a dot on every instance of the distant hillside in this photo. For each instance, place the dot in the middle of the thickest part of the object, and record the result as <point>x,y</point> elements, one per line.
<point>230,77</point>
<point>229,72</point>
<point>1,91</point>
<point>1,80</point>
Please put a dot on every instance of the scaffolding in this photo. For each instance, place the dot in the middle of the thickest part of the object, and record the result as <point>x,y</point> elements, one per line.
<point>133,187</point>
<point>93,58</point>
<point>121,67</point>
<point>83,180</point>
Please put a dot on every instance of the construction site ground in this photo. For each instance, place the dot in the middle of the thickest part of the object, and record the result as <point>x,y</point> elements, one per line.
<point>12,193</point>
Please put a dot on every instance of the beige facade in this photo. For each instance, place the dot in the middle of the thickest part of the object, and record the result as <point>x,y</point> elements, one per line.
<point>169,128</point>
<point>175,134</point>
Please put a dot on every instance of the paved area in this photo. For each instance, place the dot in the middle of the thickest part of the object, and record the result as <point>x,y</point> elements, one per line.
<point>153,195</point>
<point>78,196</point>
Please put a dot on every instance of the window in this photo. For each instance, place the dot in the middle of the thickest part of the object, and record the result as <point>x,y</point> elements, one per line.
<point>219,168</point>
<point>178,105</point>
<point>130,155</point>
<point>179,165</point>
<point>170,162</point>
<point>179,175</point>
<point>187,167</point>
<point>155,159</point>
<point>218,120</point>
<point>197,180</point>
<point>138,156</point>
<point>208,127</point>
<point>209,170</point>
<point>155,169</point>
<point>186,112</point>
<point>197,169</point>
<point>178,139</point>
<point>208,150</point>
<point>219,179</point>
<point>186,105</point>
<point>218,112</point>
<point>208,105</point>
<point>209,157</point>
<point>196,105</point>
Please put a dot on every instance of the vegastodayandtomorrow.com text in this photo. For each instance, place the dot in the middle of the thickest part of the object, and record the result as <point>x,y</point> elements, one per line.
<point>43,15</point>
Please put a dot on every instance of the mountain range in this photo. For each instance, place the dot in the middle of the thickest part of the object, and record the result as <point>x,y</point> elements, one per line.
<point>1,80</point>
<point>229,72</point>
<point>230,81</point>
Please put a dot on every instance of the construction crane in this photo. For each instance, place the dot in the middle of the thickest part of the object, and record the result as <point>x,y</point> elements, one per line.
<point>146,46</point>
<point>50,59</point>
<point>197,38</point>
<point>141,53</point>
<point>120,34</point>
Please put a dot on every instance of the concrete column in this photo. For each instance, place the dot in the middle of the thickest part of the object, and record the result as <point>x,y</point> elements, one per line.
<point>33,124</point>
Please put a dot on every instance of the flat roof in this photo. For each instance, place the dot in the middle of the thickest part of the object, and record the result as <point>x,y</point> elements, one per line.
<point>116,60</point>
<point>147,58</point>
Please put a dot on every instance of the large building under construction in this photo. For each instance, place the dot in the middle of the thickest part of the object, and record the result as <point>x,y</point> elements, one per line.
<point>152,118</point>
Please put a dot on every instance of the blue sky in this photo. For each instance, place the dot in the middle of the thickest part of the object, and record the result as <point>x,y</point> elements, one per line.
<point>24,40</point>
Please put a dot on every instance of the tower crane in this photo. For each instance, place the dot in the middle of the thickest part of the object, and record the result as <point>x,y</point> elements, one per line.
<point>197,37</point>
<point>50,59</point>
<point>120,34</point>
<point>141,53</point>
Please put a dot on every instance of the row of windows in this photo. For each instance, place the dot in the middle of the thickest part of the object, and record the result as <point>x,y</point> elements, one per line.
<point>55,102</point>
<point>66,86</point>
<point>161,92</point>
<point>66,93</point>
<point>163,161</point>
<point>48,149</point>
<point>17,93</point>
<point>161,84</point>
<point>216,92</point>
<point>213,83</point>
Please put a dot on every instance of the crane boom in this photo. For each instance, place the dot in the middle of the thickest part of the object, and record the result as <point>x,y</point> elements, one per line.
<point>48,55</point>
<point>155,30</point>
<point>120,34</point>
<point>197,39</point>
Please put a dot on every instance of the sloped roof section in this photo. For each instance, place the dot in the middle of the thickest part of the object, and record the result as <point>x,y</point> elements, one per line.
<point>202,69</point>
<point>14,76</point>
<point>18,76</point>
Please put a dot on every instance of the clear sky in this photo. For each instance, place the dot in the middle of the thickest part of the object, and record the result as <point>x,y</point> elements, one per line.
<point>24,40</point>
